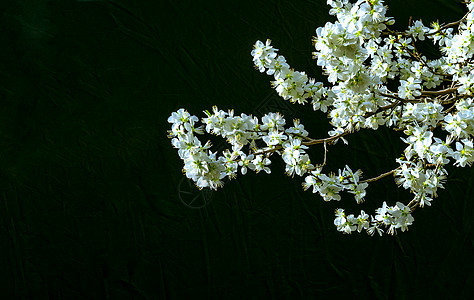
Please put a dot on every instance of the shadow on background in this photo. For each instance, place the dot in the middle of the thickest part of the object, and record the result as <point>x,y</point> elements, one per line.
<point>93,202</point>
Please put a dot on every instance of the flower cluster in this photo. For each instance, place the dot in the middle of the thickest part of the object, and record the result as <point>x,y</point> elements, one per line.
<point>364,59</point>
<point>244,133</point>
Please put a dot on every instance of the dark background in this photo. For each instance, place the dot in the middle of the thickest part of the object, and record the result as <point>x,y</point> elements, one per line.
<point>94,203</point>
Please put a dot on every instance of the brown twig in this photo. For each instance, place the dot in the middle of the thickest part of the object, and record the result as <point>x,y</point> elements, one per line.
<point>439,93</point>
<point>326,140</point>
<point>381,109</point>
<point>448,25</point>
<point>380,176</point>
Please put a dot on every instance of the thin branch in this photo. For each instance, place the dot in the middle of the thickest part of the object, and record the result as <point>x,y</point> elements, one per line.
<point>302,136</point>
<point>381,109</point>
<point>413,204</point>
<point>395,96</point>
<point>325,153</point>
<point>326,140</point>
<point>394,33</point>
<point>418,57</point>
<point>277,147</point>
<point>380,176</point>
<point>450,109</point>
<point>448,25</point>
<point>439,93</point>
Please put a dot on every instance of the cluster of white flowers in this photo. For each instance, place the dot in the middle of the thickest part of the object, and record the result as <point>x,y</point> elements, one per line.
<point>244,133</point>
<point>364,59</point>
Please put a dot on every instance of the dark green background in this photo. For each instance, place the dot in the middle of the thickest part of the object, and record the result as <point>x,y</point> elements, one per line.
<point>94,203</point>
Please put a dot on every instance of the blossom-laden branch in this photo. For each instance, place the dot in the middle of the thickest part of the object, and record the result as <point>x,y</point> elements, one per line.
<point>362,57</point>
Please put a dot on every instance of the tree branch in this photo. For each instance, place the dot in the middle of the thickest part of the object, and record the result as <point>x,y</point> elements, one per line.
<point>439,93</point>
<point>380,176</point>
